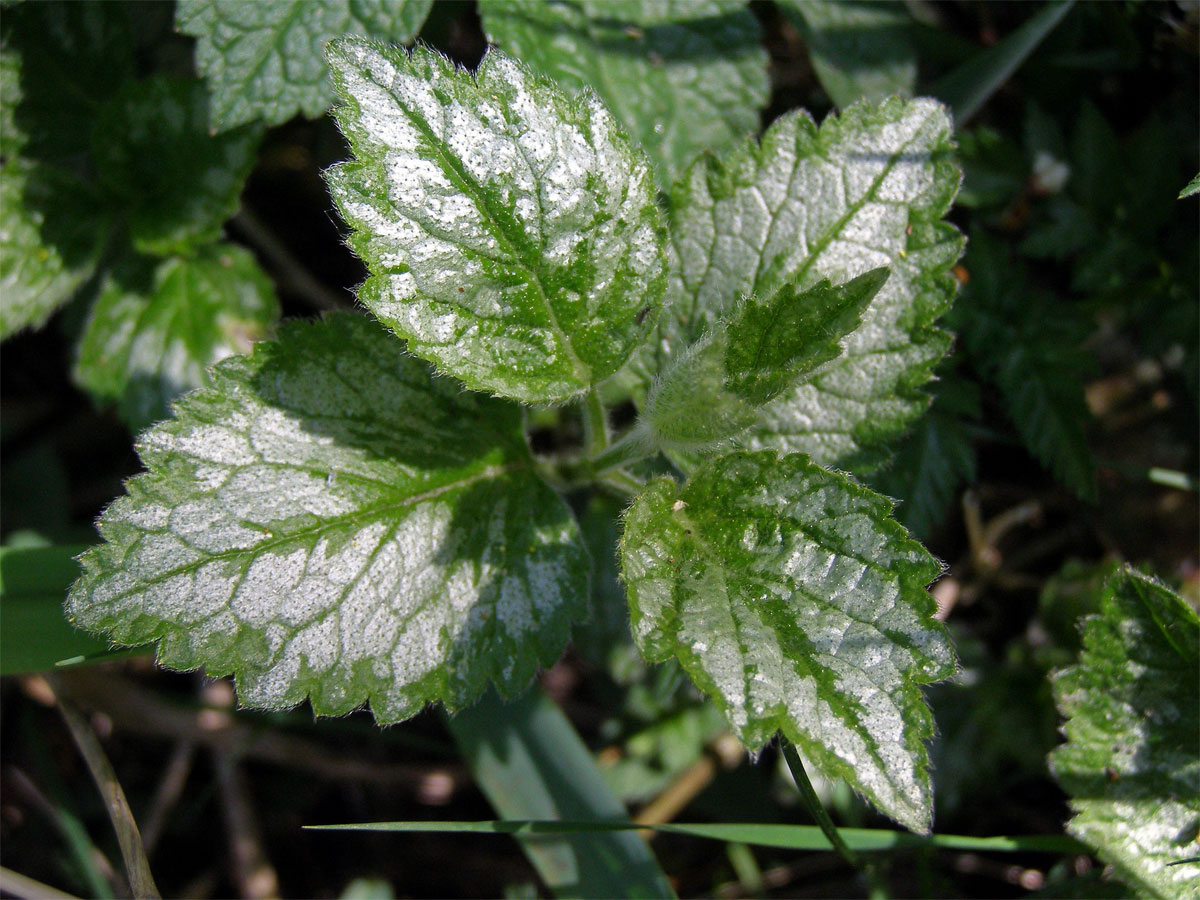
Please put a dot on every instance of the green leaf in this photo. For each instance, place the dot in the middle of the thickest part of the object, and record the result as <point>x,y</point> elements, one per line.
<point>714,389</point>
<point>1043,393</point>
<point>1131,763</point>
<point>74,57</point>
<point>1028,343</point>
<point>35,279</point>
<point>12,139</point>
<point>157,325</point>
<point>683,77</point>
<point>530,761</point>
<point>1192,187</point>
<point>175,183</point>
<point>328,519</point>
<point>510,229</point>
<point>968,88</point>
<point>48,221</point>
<point>788,595</point>
<point>265,59</point>
<point>859,50</point>
<point>866,189</point>
<point>934,459</point>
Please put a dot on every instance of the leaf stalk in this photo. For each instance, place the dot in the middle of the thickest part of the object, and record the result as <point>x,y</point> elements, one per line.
<point>634,445</point>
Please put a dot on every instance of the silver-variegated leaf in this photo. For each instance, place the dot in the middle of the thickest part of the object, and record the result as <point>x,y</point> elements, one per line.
<point>330,520</point>
<point>791,597</point>
<point>510,229</point>
<point>868,188</point>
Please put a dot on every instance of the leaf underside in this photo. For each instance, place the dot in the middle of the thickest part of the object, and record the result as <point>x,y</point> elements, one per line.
<point>788,595</point>
<point>682,75</point>
<point>1131,763</point>
<point>866,189</point>
<point>265,59</point>
<point>329,519</point>
<point>510,229</point>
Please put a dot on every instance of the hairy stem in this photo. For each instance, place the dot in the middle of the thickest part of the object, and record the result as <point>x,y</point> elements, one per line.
<point>634,445</point>
<point>595,423</point>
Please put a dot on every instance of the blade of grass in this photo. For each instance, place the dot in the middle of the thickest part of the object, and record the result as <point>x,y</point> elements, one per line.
<point>815,808</point>
<point>137,867</point>
<point>790,837</point>
<point>35,571</point>
<point>14,884</point>
<point>81,850</point>
<point>34,633</point>
<point>968,87</point>
<point>530,762</point>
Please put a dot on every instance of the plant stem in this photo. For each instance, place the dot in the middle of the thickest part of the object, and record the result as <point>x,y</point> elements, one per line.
<point>817,809</point>
<point>595,423</point>
<point>291,272</point>
<point>634,445</point>
<point>622,483</point>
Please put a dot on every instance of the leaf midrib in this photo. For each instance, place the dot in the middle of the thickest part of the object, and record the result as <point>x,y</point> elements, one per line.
<point>853,720</point>
<point>453,166</point>
<point>377,511</point>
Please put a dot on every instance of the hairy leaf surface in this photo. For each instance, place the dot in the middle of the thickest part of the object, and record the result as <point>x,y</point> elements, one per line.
<point>157,326</point>
<point>266,59</point>
<point>788,595</point>
<point>714,389</point>
<point>510,229</point>
<point>1131,763</point>
<point>683,76</point>
<point>866,189</point>
<point>331,520</point>
<point>860,49</point>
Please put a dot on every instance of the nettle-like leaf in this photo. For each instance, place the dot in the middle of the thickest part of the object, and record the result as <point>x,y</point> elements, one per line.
<point>788,594</point>
<point>48,217</point>
<point>157,325</point>
<point>714,389</point>
<point>266,59</point>
<point>1131,763</point>
<point>866,189</point>
<point>1191,188</point>
<point>35,279</point>
<point>510,229</point>
<point>860,49</point>
<point>12,138</point>
<point>329,519</point>
<point>682,75</point>
<point>73,58</point>
<point>175,183</point>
